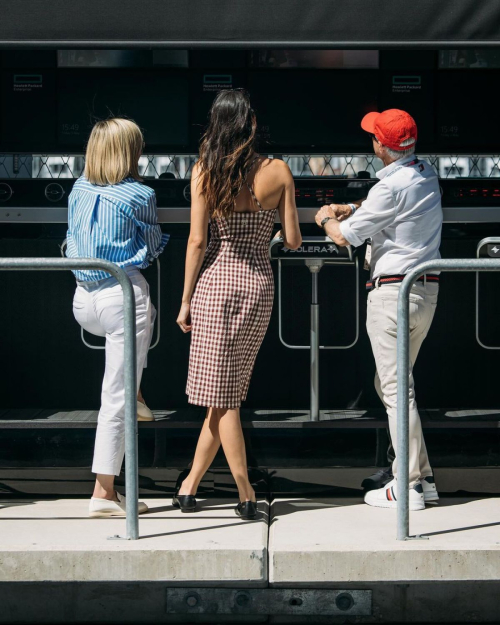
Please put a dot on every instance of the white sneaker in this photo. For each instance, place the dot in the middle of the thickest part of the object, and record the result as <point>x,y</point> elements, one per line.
<point>143,412</point>
<point>386,497</point>
<point>430,490</point>
<point>102,508</point>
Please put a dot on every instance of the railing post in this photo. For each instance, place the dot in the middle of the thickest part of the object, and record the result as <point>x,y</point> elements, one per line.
<point>403,407</point>
<point>130,371</point>
<point>403,373</point>
<point>131,433</point>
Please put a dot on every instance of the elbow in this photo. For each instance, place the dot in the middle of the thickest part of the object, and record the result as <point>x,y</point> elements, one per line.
<point>294,243</point>
<point>335,233</point>
<point>340,241</point>
<point>197,242</point>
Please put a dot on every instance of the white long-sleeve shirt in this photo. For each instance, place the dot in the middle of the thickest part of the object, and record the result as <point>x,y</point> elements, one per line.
<point>403,217</point>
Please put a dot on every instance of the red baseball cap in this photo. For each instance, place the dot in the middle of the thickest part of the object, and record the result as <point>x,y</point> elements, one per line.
<point>395,129</point>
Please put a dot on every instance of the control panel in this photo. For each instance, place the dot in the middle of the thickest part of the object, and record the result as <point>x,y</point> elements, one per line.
<point>471,191</point>
<point>45,200</point>
<point>325,190</point>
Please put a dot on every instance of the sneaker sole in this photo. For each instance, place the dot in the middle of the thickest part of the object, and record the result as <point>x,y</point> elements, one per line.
<point>431,497</point>
<point>393,505</point>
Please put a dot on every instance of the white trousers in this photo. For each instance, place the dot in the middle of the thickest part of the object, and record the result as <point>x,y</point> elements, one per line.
<point>381,324</point>
<point>98,308</point>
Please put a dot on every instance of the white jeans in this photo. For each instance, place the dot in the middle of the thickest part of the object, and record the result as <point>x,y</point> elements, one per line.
<point>98,308</point>
<point>381,324</point>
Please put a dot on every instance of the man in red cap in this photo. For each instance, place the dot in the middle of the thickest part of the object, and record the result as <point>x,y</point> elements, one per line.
<point>402,216</point>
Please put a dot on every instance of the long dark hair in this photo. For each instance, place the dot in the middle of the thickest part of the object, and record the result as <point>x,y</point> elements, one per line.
<point>226,150</point>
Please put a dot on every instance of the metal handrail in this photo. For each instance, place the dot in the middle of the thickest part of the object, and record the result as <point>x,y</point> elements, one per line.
<point>130,358</point>
<point>403,373</point>
<point>480,245</point>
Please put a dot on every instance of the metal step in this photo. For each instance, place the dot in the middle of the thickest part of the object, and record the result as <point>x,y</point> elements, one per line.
<point>256,419</point>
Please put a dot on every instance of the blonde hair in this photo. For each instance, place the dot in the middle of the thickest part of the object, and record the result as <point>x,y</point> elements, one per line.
<point>113,151</point>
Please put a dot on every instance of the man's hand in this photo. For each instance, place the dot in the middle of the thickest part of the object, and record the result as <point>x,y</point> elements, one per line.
<point>332,228</point>
<point>340,212</point>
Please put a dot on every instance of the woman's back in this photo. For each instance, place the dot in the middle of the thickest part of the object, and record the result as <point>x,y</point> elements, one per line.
<point>264,186</point>
<point>115,222</point>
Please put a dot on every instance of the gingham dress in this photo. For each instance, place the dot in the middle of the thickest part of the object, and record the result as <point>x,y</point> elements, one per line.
<point>230,308</point>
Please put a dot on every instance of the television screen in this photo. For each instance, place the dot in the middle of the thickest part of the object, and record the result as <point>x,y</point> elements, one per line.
<point>313,110</point>
<point>467,111</point>
<point>414,93</point>
<point>204,87</point>
<point>156,100</point>
<point>315,59</point>
<point>470,58</point>
<point>28,110</point>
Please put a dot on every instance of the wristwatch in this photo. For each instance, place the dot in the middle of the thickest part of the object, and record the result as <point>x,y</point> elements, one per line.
<point>323,221</point>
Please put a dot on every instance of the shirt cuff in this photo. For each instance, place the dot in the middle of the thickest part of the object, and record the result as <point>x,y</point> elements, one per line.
<point>349,235</point>
<point>160,248</point>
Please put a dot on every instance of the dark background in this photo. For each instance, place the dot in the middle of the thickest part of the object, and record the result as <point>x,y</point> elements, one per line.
<point>299,110</point>
<point>44,363</point>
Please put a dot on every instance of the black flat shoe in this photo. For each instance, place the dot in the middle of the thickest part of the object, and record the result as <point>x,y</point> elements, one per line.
<point>186,503</point>
<point>246,510</point>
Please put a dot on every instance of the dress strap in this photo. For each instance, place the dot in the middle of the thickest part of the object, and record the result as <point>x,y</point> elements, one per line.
<point>252,192</point>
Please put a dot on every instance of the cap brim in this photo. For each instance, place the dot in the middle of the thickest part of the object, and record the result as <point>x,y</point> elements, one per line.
<point>368,122</point>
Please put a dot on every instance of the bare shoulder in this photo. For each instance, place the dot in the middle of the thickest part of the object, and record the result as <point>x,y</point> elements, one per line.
<point>195,172</point>
<point>195,176</point>
<point>277,168</point>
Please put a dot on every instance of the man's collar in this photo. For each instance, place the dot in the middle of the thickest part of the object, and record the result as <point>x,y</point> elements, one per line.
<point>382,173</point>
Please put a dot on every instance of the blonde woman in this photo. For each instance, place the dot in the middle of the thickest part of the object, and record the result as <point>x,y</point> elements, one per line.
<point>112,216</point>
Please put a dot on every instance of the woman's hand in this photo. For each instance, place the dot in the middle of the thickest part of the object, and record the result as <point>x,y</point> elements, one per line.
<point>184,318</point>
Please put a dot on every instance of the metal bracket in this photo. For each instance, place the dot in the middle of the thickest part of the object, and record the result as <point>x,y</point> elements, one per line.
<point>268,601</point>
<point>417,537</point>
<point>480,245</point>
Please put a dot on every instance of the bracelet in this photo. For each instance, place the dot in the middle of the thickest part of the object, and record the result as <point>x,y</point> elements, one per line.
<point>323,221</point>
<point>353,207</point>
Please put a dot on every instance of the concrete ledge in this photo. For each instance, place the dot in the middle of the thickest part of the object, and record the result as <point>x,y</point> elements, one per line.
<point>56,541</point>
<point>327,541</point>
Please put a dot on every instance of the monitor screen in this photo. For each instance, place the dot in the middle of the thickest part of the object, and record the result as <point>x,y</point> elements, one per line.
<point>28,110</point>
<point>315,59</point>
<point>467,111</point>
<point>470,58</point>
<point>313,110</point>
<point>204,87</point>
<point>156,100</point>
<point>414,93</point>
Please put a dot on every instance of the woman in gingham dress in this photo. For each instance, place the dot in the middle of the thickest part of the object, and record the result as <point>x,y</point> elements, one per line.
<point>229,288</point>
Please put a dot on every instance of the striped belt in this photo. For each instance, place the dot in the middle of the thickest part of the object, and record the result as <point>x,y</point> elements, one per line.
<point>372,284</point>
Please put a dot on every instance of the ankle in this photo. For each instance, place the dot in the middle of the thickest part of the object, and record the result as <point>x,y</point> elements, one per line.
<point>188,488</point>
<point>101,493</point>
<point>249,495</point>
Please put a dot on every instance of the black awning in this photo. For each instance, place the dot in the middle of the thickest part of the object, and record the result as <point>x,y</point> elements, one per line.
<point>250,23</point>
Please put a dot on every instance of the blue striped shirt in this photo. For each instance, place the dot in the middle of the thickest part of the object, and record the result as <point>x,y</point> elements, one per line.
<point>117,222</point>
